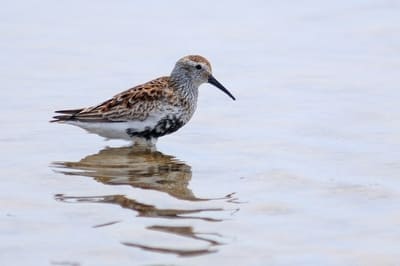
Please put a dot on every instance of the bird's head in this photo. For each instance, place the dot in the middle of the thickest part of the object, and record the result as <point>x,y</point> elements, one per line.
<point>197,70</point>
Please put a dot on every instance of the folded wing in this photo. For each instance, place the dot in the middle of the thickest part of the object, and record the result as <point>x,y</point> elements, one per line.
<point>136,103</point>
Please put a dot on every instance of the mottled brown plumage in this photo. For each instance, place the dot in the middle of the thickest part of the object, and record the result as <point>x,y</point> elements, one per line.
<point>149,110</point>
<point>133,104</point>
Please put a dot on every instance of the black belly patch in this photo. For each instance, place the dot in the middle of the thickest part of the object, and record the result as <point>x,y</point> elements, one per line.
<point>165,126</point>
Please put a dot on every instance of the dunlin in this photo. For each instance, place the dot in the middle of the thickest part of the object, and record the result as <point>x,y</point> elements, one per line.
<point>150,110</point>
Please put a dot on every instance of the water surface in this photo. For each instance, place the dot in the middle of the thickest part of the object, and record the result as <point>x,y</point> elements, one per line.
<point>303,169</point>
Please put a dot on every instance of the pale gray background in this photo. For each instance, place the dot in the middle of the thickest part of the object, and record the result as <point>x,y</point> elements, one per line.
<point>311,147</point>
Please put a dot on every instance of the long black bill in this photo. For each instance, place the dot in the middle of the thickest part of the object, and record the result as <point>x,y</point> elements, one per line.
<point>216,83</point>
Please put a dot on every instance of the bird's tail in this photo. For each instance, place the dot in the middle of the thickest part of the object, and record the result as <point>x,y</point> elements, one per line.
<point>67,115</point>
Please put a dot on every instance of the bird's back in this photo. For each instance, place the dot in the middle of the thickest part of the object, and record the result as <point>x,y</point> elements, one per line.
<point>148,111</point>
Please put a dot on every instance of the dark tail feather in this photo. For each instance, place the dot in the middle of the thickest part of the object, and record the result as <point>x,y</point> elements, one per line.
<point>69,112</point>
<point>68,115</point>
<point>60,118</point>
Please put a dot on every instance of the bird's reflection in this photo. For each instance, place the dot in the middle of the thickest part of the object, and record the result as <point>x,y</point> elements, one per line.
<point>143,210</point>
<point>145,169</point>
<point>184,231</point>
<point>136,167</point>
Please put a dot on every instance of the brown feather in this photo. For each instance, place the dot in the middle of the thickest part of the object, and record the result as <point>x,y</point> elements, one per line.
<point>140,100</point>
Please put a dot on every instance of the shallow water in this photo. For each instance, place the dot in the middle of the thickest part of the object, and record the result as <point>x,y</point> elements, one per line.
<point>301,170</point>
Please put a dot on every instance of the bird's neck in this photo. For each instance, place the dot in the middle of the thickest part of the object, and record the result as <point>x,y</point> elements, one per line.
<point>185,87</point>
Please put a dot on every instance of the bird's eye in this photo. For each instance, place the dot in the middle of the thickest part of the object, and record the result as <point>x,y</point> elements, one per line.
<point>198,67</point>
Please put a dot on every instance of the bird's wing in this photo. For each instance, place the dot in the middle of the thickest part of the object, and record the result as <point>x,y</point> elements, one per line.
<point>134,104</point>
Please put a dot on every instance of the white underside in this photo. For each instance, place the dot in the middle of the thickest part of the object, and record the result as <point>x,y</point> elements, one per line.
<point>116,130</point>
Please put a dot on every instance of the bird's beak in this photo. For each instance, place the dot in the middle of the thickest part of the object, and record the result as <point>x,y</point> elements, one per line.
<point>216,83</point>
